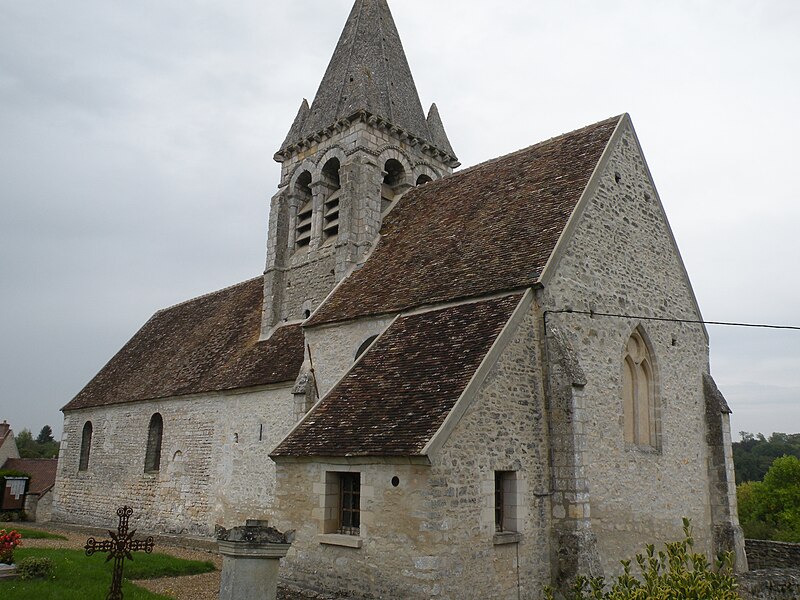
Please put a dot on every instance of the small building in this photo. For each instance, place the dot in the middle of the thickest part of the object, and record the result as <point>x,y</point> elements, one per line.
<point>38,500</point>
<point>8,445</point>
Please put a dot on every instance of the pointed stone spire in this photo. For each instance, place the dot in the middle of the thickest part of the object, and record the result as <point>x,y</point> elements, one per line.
<point>296,131</point>
<point>368,72</point>
<point>438,135</point>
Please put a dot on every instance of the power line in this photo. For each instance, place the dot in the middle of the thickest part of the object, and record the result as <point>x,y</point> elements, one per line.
<point>592,313</point>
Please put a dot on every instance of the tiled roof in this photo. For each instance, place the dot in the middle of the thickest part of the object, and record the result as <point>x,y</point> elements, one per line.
<point>485,229</point>
<point>41,470</point>
<point>397,396</point>
<point>206,344</point>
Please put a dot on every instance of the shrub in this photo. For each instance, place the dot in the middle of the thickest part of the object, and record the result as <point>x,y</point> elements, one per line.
<point>32,567</point>
<point>677,572</point>
<point>8,542</point>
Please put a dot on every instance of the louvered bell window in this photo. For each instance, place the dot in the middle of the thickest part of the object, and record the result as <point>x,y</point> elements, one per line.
<point>330,225</point>
<point>303,228</point>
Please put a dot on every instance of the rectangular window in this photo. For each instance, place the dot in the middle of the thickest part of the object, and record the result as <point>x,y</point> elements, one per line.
<point>505,501</point>
<point>349,503</point>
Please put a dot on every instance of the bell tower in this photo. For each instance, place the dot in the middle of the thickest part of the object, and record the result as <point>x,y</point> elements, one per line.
<point>346,160</point>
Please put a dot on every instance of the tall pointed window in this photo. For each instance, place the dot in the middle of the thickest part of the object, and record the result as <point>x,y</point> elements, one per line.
<point>152,459</point>
<point>305,209</point>
<point>86,446</point>
<point>330,208</point>
<point>641,410</point>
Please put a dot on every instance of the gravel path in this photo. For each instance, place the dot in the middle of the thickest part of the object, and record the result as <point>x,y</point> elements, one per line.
<point>193,587</point>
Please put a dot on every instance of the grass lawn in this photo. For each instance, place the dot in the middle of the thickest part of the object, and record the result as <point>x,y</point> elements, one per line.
<point>80,577</point>
<point>36,534</point>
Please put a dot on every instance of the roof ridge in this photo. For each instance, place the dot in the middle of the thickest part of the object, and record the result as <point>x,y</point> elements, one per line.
<point>529,148</point>
<point>206,295</point>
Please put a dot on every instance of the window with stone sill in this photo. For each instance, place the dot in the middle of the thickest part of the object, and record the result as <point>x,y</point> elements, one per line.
<point>506,502</point>
<point>641,407</point>
<point>342,502</point>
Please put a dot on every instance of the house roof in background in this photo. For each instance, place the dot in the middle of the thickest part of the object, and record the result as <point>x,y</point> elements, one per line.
<point>41,470</point>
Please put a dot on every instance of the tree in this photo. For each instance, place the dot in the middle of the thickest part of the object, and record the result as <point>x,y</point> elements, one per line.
<point>45,435</point>
<point>770,509</point>
<point>753,454</point>
<point>34,448</point>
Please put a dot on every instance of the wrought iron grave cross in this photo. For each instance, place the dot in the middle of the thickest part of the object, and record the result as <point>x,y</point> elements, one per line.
<point>119,547</point>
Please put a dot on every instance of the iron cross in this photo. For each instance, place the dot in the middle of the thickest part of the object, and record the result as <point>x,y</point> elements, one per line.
<point>119,547</point>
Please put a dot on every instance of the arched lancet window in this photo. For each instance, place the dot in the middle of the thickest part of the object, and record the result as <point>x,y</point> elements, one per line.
<point>392,188</point>
<point>152,459</point>
<point>86,446</point>
<point>423,179</point>
<point>640,405</point>
<point>330,209</point>
<point>305,209</point>
<point>363,347</point>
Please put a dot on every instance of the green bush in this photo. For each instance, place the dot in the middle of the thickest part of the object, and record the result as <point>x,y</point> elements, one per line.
<point>32,567</point>
<point>770,509</point>
<point>677,572</point>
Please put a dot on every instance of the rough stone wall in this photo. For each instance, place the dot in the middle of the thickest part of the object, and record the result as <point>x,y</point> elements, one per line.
<point>334,347</point>
<point>8,449</point>
<point>766,554</point>
<point>215,467</point>
<point>39,508</point>
<point>433,536</point>
<point>621,260</point>
<point>770,584</point>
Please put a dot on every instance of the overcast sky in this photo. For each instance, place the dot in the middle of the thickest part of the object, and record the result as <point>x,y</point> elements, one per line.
<point>136,143</point>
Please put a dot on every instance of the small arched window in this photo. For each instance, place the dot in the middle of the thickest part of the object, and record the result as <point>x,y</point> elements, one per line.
<point>640,406</point>
<point>423,179</point>
<point>363,347</point>
<point>86,446</point>
<point>152,459</point>
<point>395,176</point>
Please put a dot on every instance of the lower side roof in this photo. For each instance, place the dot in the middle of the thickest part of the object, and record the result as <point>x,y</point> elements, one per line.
<point>396,397</point>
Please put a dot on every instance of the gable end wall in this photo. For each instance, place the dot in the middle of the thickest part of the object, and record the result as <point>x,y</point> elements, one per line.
<point>621,259</point>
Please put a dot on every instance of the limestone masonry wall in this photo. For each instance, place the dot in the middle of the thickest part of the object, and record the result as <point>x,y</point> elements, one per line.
<point>333,348</point>
<point>621,261</point>
<point>766,554</point>
<point>215,467</point>
<point>433,536</point>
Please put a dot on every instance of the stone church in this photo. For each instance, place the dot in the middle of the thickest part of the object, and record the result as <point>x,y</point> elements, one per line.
<point>449,385</point>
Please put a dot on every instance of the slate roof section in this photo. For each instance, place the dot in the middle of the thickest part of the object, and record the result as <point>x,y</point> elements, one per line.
<point>368,72</point>
<point>396,397</point>
<point>41,470</point>
<point>483,230</point>
<point>203,345</point>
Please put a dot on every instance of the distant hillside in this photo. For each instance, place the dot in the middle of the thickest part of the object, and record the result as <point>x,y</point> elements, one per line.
<point>753,454</point>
